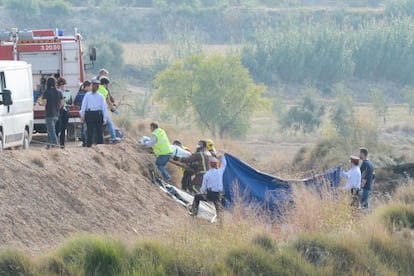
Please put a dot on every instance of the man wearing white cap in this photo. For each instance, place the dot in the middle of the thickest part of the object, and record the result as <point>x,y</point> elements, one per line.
<point>211,189</point>
<point>353,180</point>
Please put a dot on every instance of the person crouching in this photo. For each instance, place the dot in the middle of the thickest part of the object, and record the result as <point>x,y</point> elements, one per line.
<point>211,189</point>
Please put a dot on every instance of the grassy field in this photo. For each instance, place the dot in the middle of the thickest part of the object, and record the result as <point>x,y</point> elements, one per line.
<point>321,236</point>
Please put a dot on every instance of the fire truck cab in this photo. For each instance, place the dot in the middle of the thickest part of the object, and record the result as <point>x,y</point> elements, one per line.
<point>51,53</point>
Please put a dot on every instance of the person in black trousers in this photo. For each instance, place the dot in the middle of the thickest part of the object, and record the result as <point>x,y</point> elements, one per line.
<point>94,113</point>
<point>62,123</point>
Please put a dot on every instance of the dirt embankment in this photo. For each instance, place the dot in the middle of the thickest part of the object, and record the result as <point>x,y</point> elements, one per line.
<point>48,195</point>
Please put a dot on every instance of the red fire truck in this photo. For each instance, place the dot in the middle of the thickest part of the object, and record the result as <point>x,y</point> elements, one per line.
<point>51,53</point>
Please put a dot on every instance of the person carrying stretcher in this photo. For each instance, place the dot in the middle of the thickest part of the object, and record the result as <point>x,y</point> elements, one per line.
<point>197,166</point>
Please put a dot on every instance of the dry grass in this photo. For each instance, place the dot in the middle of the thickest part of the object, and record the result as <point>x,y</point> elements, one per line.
<point>318,210</point>
<point>405,193</point>
<point>323,238</point>
<point>397,115</point>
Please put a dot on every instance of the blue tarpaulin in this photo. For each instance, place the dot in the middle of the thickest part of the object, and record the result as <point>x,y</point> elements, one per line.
<point>270,192</point>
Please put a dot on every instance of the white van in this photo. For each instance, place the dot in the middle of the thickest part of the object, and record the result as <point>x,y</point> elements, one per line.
<point>16,104</point>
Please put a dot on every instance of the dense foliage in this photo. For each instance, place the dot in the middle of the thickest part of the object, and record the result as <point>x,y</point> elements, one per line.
<point>400,7</point>
<point>218,90</point>
<point>318,54</point>
<point>324,55</point>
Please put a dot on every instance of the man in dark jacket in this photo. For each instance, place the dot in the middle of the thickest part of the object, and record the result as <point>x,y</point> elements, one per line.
<point>53,100</point>
<point>197,163</point>
<point>367,177</point>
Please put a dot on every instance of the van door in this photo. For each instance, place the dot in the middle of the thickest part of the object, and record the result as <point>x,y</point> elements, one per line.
<point>5,113</point>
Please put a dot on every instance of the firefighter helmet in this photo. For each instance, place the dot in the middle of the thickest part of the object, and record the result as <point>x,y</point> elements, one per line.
<point>210,144</point>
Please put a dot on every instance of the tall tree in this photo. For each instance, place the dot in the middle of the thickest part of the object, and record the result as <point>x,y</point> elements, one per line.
<point>342,113</point>
<point>216,89</point>
<point>379,101</point>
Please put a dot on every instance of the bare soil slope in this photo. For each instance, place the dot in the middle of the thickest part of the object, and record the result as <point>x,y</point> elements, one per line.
<point>48,195</point>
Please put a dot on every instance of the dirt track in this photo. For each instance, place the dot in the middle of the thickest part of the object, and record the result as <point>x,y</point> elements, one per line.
<point>48,195</point>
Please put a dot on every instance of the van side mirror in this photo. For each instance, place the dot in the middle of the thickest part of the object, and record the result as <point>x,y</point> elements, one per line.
<point>92,53</point>
<point>6,97</point>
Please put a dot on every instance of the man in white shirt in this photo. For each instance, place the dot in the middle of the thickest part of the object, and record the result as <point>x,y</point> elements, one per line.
<point>353,180</point>
<point>94,113</point>
<point>211,188</point>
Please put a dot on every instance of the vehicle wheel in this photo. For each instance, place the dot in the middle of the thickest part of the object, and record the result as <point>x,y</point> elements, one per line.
<point>26,141</point>
<point>1,142</point>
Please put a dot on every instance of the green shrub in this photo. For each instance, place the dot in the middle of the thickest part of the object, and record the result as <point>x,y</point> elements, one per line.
<point>104,257</point>
<point>306,117</point>
<point>338,255</point>
<point>94,255</point>
<point>396,253</point>
<point>264,259</point>
<point>147,258</point>
<point>154,258</point>
<point>54,265</point>
<point>265,242</point>
<point>13,262</point>
<point>396,216</point>
<point>252,261</point>
<point>294,263</point>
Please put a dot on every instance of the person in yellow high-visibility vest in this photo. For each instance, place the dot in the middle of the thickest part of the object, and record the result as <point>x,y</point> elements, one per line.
<point>103,90</point>
<point>162,149</point>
